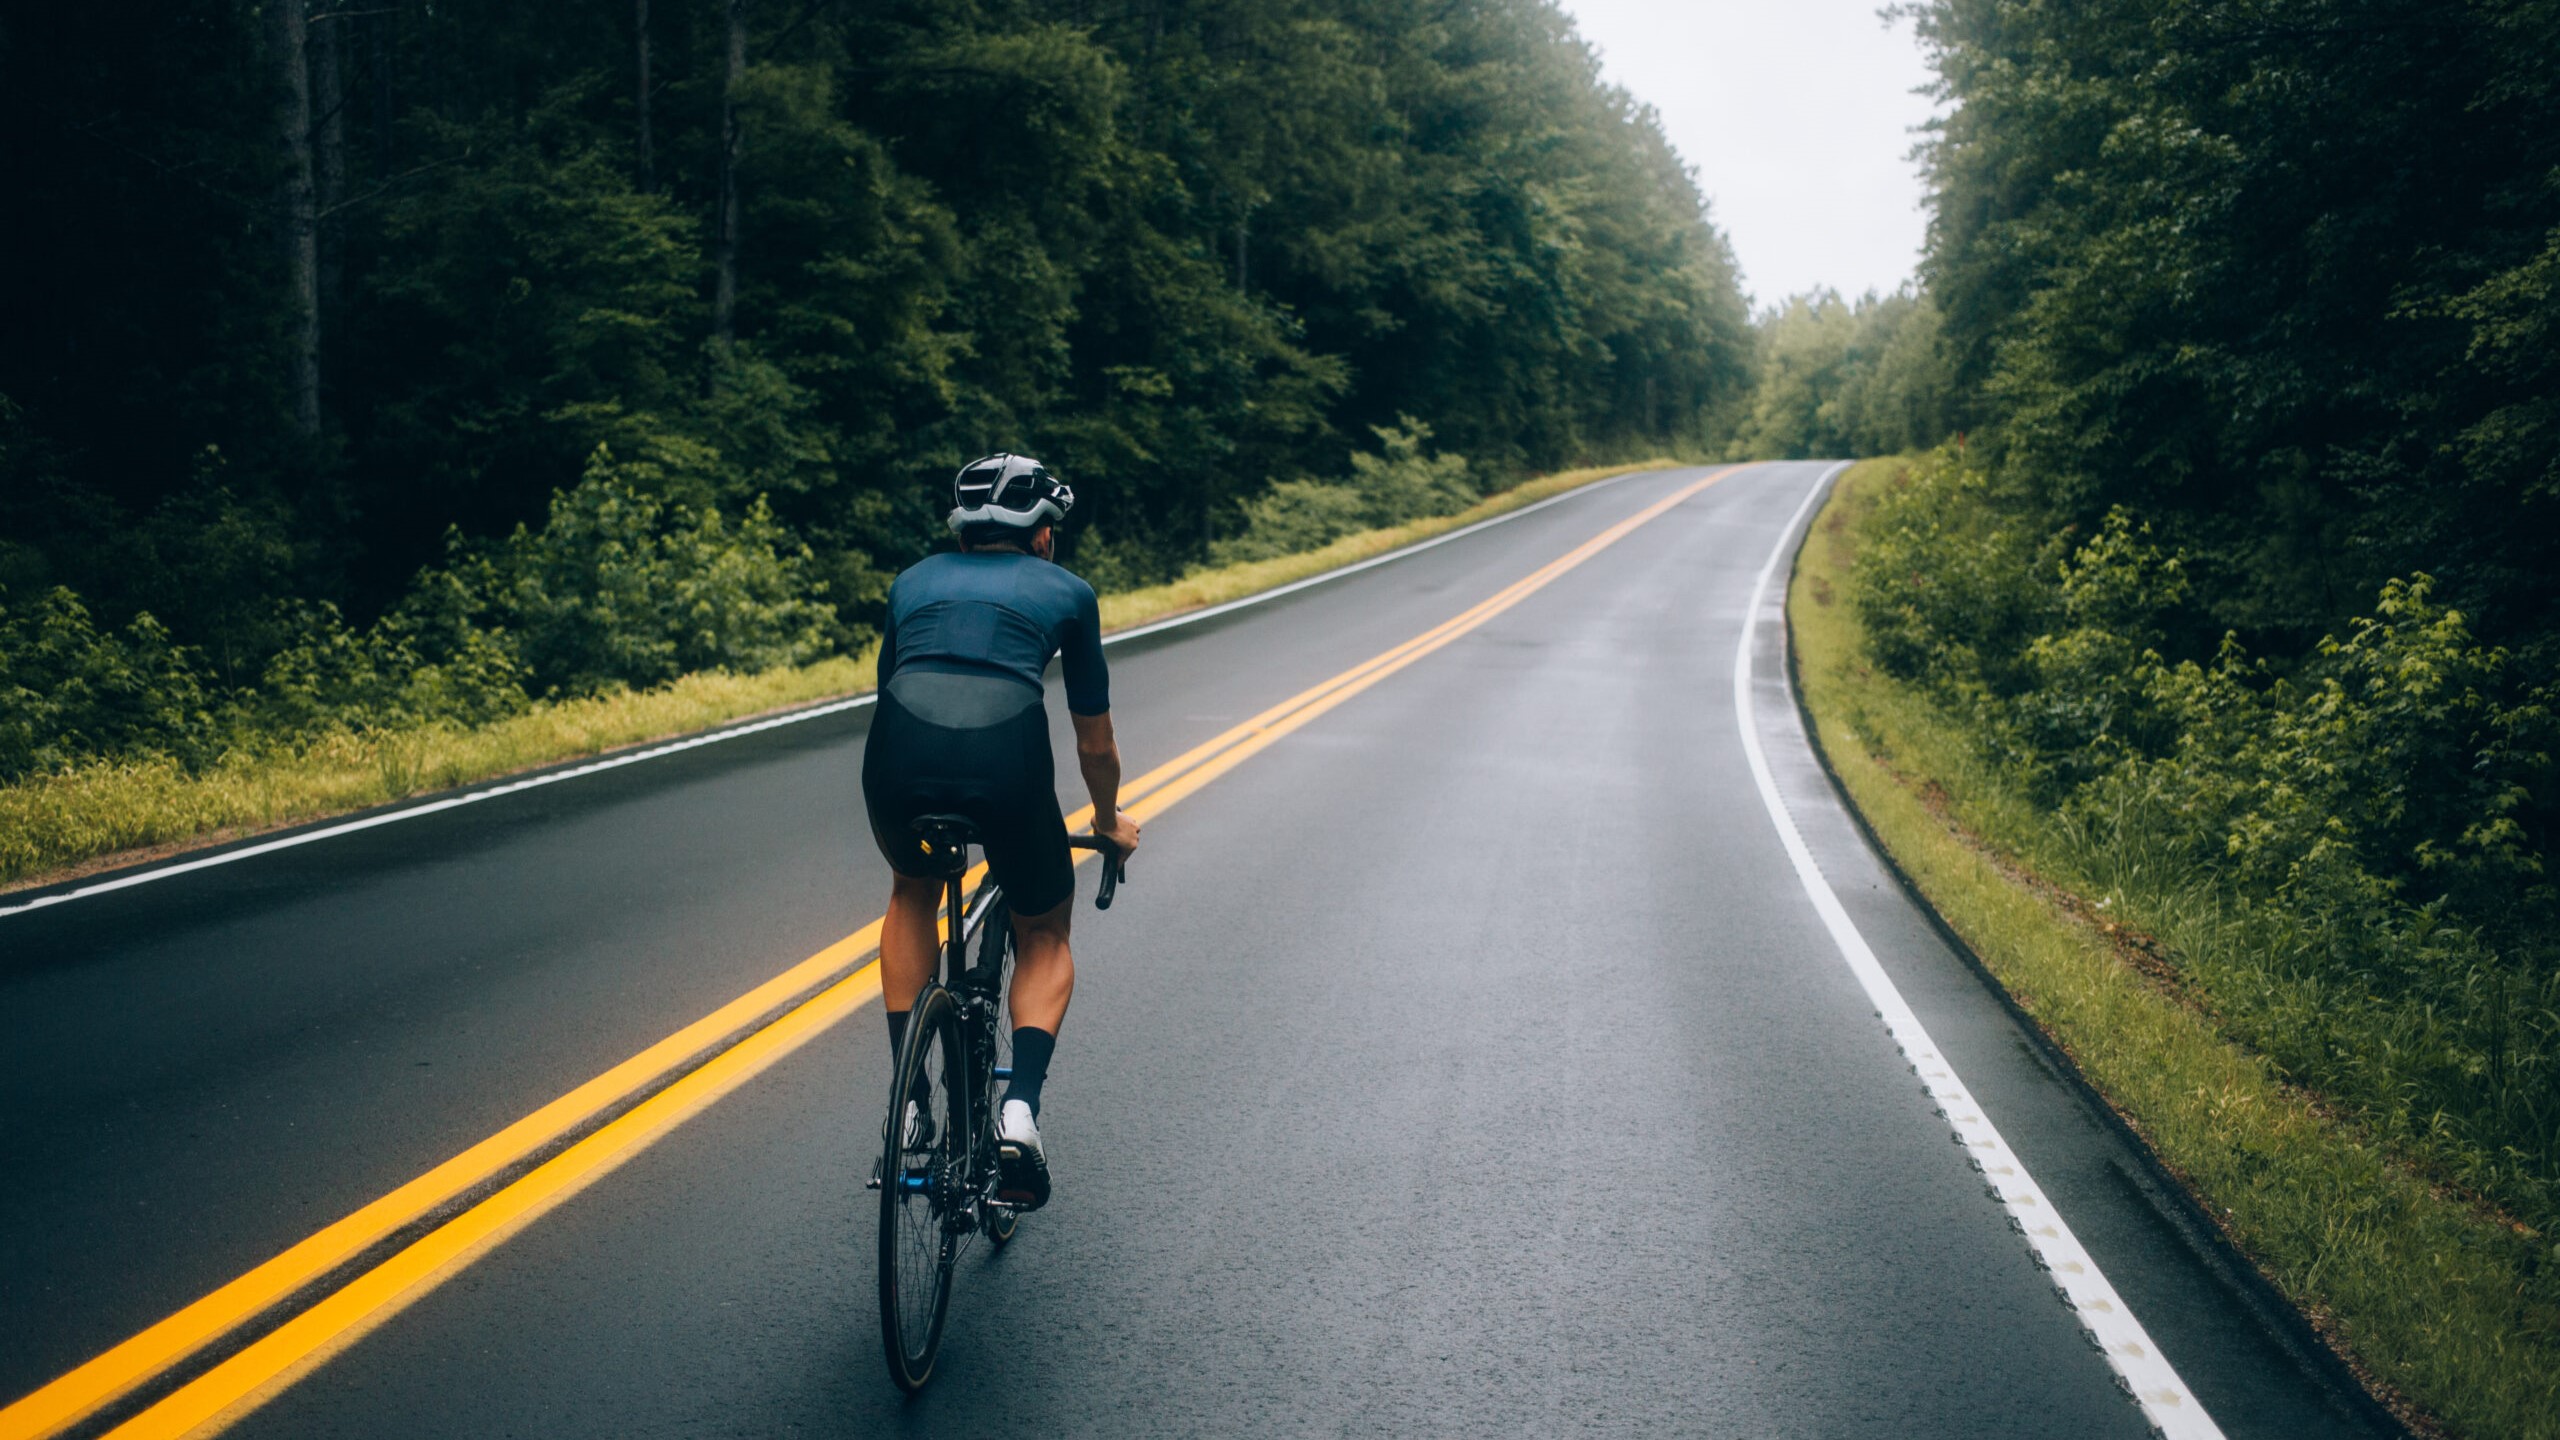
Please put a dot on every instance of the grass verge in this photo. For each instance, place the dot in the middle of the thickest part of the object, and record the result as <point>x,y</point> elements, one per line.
<point>108,814</point>
<point>2427,1294</point>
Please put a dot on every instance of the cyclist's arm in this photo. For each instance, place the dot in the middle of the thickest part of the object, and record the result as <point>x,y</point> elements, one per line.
<point>1098,756</point>
<point>1088,677</point>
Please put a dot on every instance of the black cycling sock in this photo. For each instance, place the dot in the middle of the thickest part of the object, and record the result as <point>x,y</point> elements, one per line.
<point>1031,1052</point>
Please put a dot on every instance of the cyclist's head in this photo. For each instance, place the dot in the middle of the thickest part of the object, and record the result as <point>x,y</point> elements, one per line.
<point>1004,499</point>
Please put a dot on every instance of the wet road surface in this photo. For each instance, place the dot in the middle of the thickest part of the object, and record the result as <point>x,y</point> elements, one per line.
<point>1469,1060</point>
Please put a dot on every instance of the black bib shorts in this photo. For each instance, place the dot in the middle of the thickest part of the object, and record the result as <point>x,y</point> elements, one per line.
<point>974,745</point>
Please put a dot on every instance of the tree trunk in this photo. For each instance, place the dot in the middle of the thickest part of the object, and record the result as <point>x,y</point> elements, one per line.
<point>648,149</point>
<point>327,43</point>
<point>724,295</point>
<point>380,58</point>
<point>297,223</point>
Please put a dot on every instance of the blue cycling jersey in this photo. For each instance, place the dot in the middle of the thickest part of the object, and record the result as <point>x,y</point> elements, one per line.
<point>997,612</point>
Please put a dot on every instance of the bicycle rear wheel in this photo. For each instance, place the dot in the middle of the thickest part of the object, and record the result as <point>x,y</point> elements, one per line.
<point>924,1183</point>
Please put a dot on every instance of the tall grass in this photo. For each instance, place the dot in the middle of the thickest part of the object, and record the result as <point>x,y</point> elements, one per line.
<point>2138,964</point>
<point>104,813</point>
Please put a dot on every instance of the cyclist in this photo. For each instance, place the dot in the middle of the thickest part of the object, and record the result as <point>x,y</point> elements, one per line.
<point>960,728</point>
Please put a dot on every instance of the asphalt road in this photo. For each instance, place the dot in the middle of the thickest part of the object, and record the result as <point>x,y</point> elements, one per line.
<point>1469,1061</point>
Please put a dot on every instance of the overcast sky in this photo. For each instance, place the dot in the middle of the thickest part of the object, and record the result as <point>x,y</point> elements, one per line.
<point>1798,116</point>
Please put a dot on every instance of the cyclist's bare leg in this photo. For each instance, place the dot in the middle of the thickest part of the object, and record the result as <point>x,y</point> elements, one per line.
<point>910,939</point>
<point>1044,969</point>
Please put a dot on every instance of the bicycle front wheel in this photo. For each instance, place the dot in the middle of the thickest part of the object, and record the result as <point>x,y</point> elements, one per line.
<point>924,1188</point>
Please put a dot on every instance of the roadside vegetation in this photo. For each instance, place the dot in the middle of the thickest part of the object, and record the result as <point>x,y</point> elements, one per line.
<point>379,726</point>
<point>2339,1092</point>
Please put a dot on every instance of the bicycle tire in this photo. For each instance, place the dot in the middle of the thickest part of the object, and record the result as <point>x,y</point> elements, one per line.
<point>995,960</point>
<point>917,1248</point>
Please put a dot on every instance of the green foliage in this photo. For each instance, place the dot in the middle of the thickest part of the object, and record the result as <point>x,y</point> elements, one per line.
<point>1948,586</point>
<point>69,689</point>
<point>1841,379</point>
<point>2088,701</point>
<point>1291,517</point>
<point>1401,483</point>
<point>2374,819</point>
<point>621,588</point>
<point>2278,277</point>
<point>398,674</point>
<point>1396,485</point>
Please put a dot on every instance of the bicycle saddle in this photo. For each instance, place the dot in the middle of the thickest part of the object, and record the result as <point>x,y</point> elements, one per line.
<point>944,839</point>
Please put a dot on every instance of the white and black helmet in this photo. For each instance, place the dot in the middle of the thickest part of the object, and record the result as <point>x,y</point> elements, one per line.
<point>1013,491</point>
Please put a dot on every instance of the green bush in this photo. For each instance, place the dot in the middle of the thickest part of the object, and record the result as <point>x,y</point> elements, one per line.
<point>1396,485</point>
<point>2350,859</point>
<point>69,690</point>
<point>1949,586</point>
<point>2087,703</point>
<point>1291,517</point>
<point>424,664</point>
<point>1401,483</point>
<point>621,588</point>
<point>618,589</point>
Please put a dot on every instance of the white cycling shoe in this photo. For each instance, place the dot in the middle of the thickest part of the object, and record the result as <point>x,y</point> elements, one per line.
<point>916,1135</point>
<point>918,1131</point>
<point>1022,1167</point>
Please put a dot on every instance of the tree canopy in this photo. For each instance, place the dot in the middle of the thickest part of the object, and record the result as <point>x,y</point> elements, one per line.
<point>2278,276</point>
<point>306,299</point>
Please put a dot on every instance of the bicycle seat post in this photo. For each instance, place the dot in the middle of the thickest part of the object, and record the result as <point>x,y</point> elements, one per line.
<point>945,841</point>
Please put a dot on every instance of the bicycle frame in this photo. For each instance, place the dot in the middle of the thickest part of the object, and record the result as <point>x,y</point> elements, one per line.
<point>958,1176</point>
<point>978,990</point>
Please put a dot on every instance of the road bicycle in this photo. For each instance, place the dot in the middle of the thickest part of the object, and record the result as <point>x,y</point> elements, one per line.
<point>937,1168</point>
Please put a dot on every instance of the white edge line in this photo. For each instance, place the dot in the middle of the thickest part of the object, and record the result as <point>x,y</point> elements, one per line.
<point>554,777</point>
<point>2140,1368</point>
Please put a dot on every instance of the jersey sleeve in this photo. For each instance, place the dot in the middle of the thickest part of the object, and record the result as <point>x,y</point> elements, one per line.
<point>1080,656</point>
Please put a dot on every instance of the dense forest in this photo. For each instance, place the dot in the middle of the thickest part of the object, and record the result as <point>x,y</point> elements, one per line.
<point>2241,326</point>
<point>408,360</point>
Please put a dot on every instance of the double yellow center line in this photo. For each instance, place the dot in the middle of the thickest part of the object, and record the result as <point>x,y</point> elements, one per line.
<point>475,1200</point>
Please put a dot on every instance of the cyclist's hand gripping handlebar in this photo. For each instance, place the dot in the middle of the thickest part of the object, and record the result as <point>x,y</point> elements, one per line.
<point>1113,871</point>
